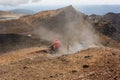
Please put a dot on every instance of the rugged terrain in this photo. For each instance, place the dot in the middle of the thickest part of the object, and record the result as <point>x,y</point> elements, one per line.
<point>94,40</point>
<point>90,64</point>
<point>7,15</point>
<point>108,28</point>
<point>49,25</point>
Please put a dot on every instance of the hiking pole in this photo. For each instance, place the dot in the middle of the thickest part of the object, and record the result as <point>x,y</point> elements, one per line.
<point>68,48</point>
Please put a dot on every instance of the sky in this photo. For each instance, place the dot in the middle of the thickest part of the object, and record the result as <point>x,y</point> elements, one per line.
<point>82,5</point>
<point>57,2</point>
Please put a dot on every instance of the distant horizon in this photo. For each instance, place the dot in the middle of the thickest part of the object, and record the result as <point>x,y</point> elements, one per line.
<point>87,9</point>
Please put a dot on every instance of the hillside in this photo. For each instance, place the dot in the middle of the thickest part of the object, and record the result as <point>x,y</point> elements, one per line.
<point>45,18</point>
<point>2,13</point>
<point>11,42</point>
<point>108,28</point>
<point>8,15</point>
<point>108,24</point>
<point>95,63</point>
<point>89,46</point>
<point>59,23</point>
<point>64,24</point>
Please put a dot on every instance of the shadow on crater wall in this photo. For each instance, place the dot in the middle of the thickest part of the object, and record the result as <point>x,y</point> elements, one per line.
<point>10,42</point>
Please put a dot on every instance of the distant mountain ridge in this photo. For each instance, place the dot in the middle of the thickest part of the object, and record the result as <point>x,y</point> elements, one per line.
<point>99,9</point>
<point>2,13</point>
<point>8,15</point>
<point>22,11</point>
<point>87,9</point>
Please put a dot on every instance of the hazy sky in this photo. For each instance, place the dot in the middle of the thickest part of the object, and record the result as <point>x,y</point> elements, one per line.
<point>81,5</point>
<point>58,2</point>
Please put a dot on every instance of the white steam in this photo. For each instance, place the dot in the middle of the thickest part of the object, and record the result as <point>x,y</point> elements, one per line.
<point>78,33</point>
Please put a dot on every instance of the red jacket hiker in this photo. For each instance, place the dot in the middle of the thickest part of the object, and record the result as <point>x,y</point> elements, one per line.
<point>56,44</point>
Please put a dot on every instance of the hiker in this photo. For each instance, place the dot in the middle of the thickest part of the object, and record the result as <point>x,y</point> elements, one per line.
<point>55,46</point>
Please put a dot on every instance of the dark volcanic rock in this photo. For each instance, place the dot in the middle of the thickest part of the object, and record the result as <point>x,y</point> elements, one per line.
<point>108,24</point>
<point>9,42</point>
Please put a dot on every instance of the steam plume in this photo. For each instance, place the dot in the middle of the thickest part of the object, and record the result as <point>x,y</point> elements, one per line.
<point>77,33</point>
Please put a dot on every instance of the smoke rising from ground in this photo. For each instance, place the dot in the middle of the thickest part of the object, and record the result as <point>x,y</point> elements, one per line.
<point>78,33</point>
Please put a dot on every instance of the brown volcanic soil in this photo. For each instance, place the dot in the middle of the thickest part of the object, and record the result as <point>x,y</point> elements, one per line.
<point>109,42</point>
<point>90,64</point>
